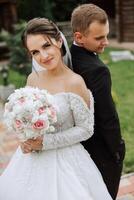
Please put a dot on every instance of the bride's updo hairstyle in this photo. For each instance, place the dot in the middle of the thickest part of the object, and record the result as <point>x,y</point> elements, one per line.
<point>42,26</point>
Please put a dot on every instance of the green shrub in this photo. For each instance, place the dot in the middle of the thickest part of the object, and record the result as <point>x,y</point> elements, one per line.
<point>18,58</point>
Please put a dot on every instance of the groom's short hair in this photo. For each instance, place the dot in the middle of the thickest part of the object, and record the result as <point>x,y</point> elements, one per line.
<point>84,15</point>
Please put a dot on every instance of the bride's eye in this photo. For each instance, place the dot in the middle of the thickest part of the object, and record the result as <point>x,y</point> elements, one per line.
<point>46,45</point>
<point>34,53</point>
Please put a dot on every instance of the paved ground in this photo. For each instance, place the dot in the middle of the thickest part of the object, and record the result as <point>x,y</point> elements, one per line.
<point>123,45</point>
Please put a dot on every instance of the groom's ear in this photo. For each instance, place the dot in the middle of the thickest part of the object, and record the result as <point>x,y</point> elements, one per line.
<point>78,37</point>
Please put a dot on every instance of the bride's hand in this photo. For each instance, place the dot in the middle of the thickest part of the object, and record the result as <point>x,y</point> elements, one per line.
<point>32,145</point>
<point>25,148</point>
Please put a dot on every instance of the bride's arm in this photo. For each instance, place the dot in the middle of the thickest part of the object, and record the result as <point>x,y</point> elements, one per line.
<point>83,129</point>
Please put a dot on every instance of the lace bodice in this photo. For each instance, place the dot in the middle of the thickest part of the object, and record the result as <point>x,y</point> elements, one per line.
<point>75,121</point>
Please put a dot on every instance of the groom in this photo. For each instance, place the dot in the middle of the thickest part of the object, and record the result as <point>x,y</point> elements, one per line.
<point>106,147</point>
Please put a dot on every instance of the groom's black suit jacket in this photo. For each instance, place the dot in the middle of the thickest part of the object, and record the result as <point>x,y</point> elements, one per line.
<point>106,146</point>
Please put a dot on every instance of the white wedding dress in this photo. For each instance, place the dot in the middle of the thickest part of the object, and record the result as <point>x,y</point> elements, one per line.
<point>64,169</point>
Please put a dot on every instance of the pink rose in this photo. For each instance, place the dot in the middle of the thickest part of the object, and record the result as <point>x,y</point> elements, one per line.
<point>22,100</point>
<point>41,110</point>
<point>18,124</point>
<point>40,124</point>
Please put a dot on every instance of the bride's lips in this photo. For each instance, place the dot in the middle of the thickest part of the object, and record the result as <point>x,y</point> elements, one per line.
<point>47,61</point>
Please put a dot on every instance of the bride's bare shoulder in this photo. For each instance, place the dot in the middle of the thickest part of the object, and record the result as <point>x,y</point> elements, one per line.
<point>76,80</point>
<point>78,86</point>
<point>32,78</point>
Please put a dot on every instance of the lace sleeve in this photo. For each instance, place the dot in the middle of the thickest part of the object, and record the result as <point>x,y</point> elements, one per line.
<point>83,129</point>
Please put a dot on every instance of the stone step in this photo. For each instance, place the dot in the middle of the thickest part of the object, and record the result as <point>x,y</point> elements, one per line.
<point>126,197</point>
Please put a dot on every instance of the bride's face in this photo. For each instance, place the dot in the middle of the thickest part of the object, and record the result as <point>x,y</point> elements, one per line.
<point>46,53</point>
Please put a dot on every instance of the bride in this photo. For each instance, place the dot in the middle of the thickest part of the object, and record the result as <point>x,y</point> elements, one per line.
<point>61,169</point>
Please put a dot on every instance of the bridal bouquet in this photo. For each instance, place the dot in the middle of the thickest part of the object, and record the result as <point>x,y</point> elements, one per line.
<point>30,112</point>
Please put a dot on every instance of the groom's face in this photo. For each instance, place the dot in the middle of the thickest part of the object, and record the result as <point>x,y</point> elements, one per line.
<point>95,39</point>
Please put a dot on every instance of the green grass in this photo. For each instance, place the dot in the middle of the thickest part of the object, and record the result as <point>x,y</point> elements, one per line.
<point>122,73</point>
<point>15,78</point>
